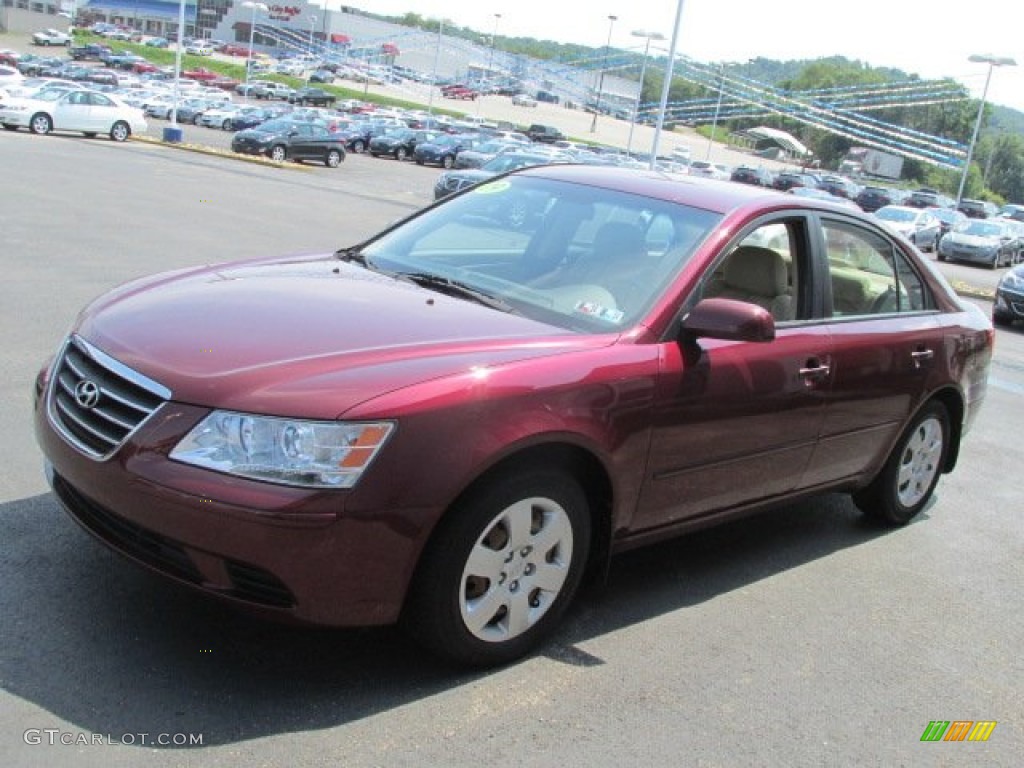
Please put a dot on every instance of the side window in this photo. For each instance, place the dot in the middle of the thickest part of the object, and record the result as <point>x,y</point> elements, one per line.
<point>761,269</point>
<point>868,276</point>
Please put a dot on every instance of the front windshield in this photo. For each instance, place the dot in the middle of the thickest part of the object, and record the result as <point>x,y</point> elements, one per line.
<point>581,258</point>
<point>983,229</point>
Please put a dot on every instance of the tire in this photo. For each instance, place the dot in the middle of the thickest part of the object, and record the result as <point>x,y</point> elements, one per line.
<point>333,159</point>
<point>226,125</point>
<point>401,153</point>
<point>995,262</point>
<point>120,131</point>
<point>906,482</point>
<point>197,120</point>
<point>447,162</point>
<point>40,124</point>
<point>358,146</point>
<point>279,153</point>
<point>1002,320</point>
<point>501,568</point>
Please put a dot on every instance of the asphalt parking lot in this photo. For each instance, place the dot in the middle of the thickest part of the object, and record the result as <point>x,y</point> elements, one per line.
<point>805,637</point>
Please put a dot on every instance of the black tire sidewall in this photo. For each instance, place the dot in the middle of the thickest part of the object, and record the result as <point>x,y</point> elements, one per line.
<point>433,612</point>
<point>880,500</point>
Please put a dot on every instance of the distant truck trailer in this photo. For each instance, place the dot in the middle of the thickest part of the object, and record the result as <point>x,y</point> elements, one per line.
<point>864,161</point>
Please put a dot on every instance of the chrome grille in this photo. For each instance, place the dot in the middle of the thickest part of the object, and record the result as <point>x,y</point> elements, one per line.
<point>95,402</point>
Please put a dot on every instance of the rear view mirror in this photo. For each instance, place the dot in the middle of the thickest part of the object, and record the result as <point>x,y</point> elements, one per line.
<point>729,319</point>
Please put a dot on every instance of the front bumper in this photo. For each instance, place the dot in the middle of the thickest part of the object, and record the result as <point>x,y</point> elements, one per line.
<point>290,553</point>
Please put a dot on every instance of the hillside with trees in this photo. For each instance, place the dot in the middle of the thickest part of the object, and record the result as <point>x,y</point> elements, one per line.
<point>997,169</point>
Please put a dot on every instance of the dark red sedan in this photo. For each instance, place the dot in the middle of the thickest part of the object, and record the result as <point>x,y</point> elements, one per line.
<point>449,424</point>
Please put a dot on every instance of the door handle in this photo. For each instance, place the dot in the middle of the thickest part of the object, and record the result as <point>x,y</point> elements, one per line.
<point>920,356</point>
<point>814,370</point>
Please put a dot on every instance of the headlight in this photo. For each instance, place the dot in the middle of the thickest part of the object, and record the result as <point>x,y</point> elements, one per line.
<point>310,454</point>
<point>1013,281</point>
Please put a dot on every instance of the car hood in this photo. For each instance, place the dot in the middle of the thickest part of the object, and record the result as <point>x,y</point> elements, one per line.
<point>974,241</point>
<point>306,337</point>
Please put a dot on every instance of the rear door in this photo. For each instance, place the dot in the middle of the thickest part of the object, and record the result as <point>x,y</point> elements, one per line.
<point>885,342</point>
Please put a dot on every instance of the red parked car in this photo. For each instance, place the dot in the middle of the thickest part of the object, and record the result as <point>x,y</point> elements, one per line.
<point>448,425</point>
<point>201,73</point>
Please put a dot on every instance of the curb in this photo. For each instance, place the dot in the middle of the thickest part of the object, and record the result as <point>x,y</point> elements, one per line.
<point>202,149</point>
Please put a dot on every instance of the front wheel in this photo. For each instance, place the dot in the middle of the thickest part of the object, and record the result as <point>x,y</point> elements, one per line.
<point>910,474</point>
<point>40,124</point>
<point>358,146</point>
<point>278,154</point>
<point>120,131</point>
<point>447,161</point>
<point>333,159</point>
<point>502,568</point>
<point>401,153</point>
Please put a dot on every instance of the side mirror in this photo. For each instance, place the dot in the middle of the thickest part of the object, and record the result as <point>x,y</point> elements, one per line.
<point>729,319</point>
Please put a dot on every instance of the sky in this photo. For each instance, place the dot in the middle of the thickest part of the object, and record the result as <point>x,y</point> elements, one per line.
<point>930,38</point>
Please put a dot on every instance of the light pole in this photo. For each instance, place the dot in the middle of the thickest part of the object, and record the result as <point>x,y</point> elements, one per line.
<point>992,61</point>
<point>663,105</point>
<point>643,73</point>
<point>604,66</point>
<point>718,108</point>
<point>262,8</point>
<point>494,37</point>
<point>437,56</point>
<point>312,23</point>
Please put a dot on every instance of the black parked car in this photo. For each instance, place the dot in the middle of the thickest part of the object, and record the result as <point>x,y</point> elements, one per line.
<point>400,143</point>
<point>871,199</point>
<point>455,181</point>
<point>787,180</point>
<point>1009,304</point>
<point>249,117</point>
<point>444,149</point>
<point>315,97</point>
<point>758,177</point>
<point>282,140</point>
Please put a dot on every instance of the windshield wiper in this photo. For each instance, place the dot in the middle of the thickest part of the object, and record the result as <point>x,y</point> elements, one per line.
<point>455,288</point>
<point>353,255</point>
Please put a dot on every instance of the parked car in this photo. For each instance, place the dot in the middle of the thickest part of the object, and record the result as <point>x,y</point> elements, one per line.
<point>978,209</point>
<point>928,198</point>
<point>708,170</point>
<point>450,182</point>
<point>250,117</point>
<point>786,180</point>
<point>451,424</point>
<point>201,74</point>
<point>1012,211</point>
<point>444,149</point>
<point>316,97</point>
<point>982,241</point>
<point>80,111</point>
<point>544,133</point>
<point>284,139</point>
<point>871,198</point>
<point>49,37</point>
<point>839,186</point>
<point>1009,303</point>
<point>199,48</point>
<point>949,219</point>
<point>758,177</point>
<point>524,100</point>
<point>399,143</point>
<point>919,226</point>
<point>90,52</point>
<point>268,89</point>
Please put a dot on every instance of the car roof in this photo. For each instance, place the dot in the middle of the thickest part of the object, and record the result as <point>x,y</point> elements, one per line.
<point>707,194</point>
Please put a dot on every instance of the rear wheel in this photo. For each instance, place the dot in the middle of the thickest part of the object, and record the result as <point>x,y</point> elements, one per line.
<point>120,131</point>
<point>333,159</point>
<point>40,124</point>
<point>502,567</point>
<point>447,161</point>
<point>910,474</point>
<point>279,153</point>
<point>358,146</point>
<point>401,153</point>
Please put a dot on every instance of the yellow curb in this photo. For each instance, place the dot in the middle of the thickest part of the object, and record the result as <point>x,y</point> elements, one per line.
<point>202,149</point>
